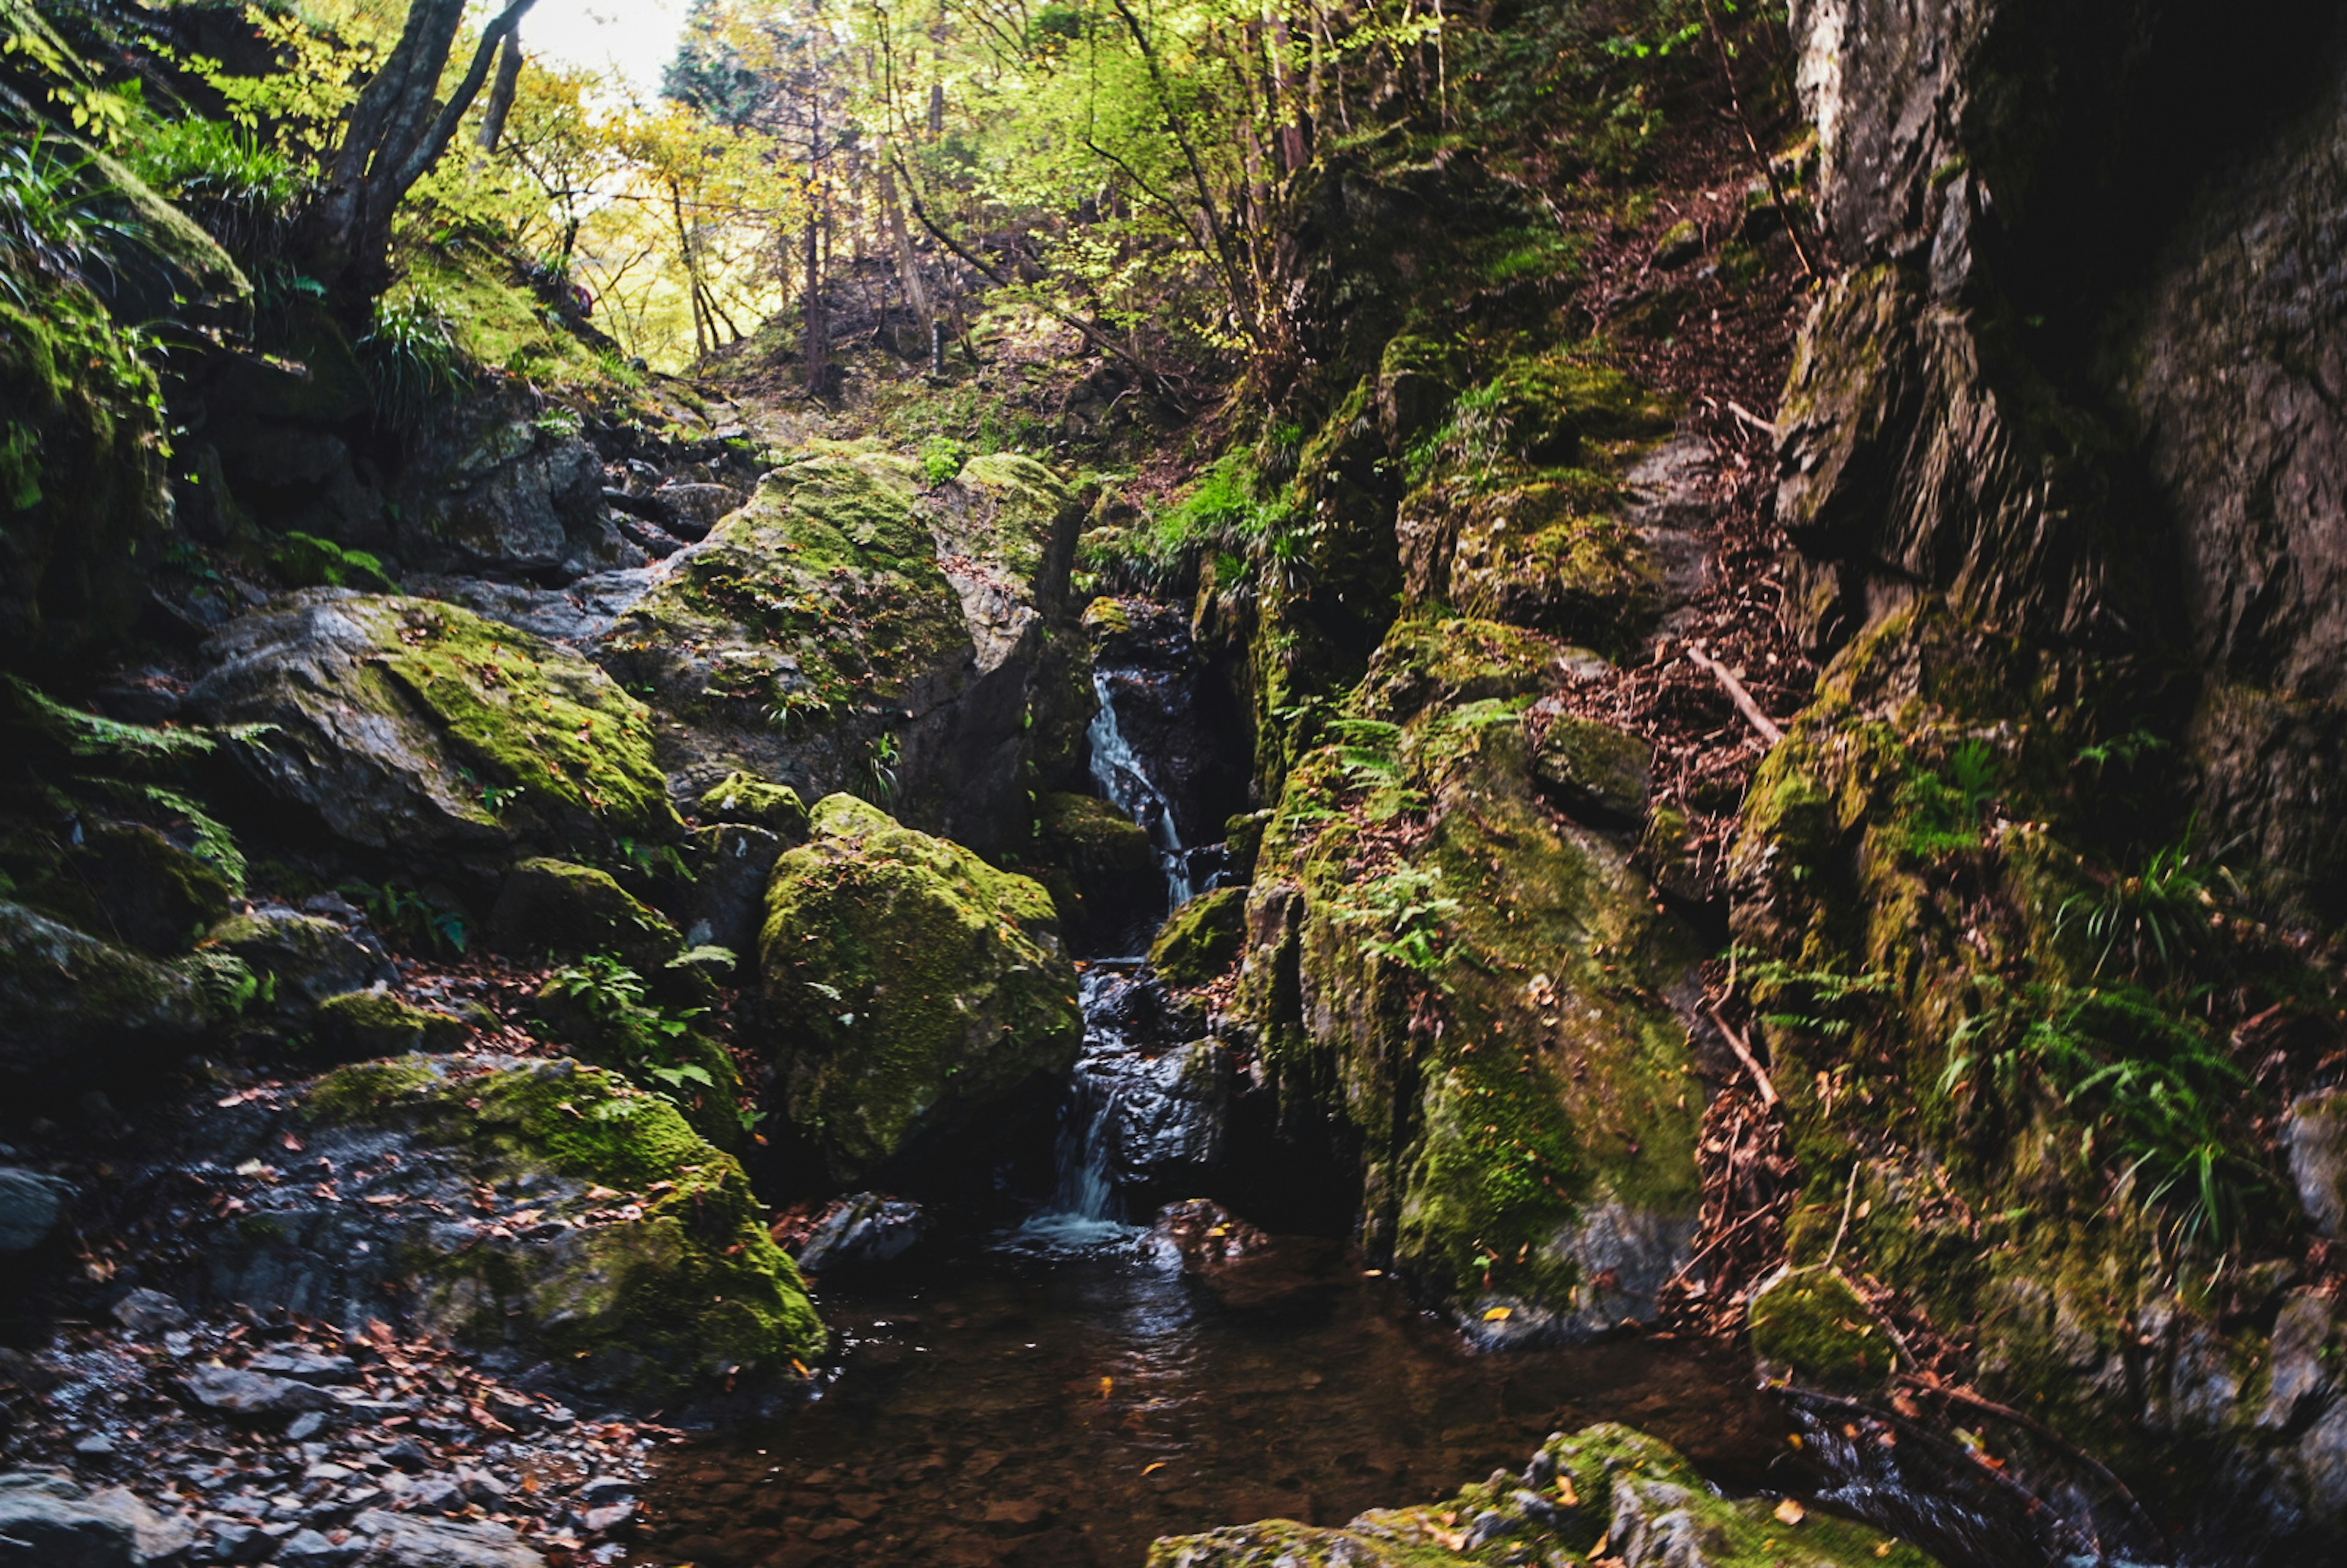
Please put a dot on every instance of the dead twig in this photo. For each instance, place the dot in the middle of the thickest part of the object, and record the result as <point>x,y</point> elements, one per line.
<point>1966,1398</point>
<point>1760,722</point>
<point>1743,1050</point>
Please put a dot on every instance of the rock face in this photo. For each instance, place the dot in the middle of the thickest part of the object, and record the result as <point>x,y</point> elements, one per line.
<point>31,1203</point>
<point>1201,940</point>
<point>617,1242</point>
<point>912,986</point>
<point>824,638</point>
<point>1534,1162</point>
<point>1606,1490</point>
<point>2067,487</point>
<point>48,1522</point>
<point>412,726</point>
<point>1101,871</point>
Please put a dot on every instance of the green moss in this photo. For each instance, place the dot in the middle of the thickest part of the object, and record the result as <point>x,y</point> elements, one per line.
<point>1596,769</point>
<point>740,797</point>
<point>1201,940</point>
<point>553,906</point>
<point>376,1023</point>
<point>914,985</point>
<point>554,730</point>
<point>1604,1484</point>
<point>677,1293</point>
<point>1013,507</point>
<point>500,321</point>
<point>1105,618</point>
<point>1809,1323</point>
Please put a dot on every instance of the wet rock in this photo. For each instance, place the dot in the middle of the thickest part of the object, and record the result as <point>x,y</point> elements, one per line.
<point>46,1521</point>
<point>912,987</point>
<point>149,1312</point>
<point>361,1024</point>
<point>73,1007</point>
<point>1201,940</point>
<point>31,1203</point>
<point>252,1395</point>
<point>2316,1136</point>
<point>690,510</point>
<point>731,865</point>
<point>129,880</point>
<point>417,727</point>
<point>610,1217</point>
<point>304,1366</point>
<point>308,958</point>
<point>861,1231</point>
<point>1201,1235</point>
<point>402,1541</point>
<point>554,907</point>
<point>1173,1114</point>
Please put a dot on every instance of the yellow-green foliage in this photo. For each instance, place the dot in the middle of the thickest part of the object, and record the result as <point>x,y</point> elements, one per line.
<point>913,984</point>
<point>498,322</point>
<point>669,1300</point>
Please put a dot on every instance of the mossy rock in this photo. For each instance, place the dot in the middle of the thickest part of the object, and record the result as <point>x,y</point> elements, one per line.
<point>1201,940</point>
<point>1538,555</point>
<point>1605,1488</point>
<point>76,1009</point>
<point>746,798</point>
<point>1810,1323</point>
<point>361,1024</point>
<point>1101,872</point>
<point>1015,513</point>
<point>130,881</point>
<point>412,725</point>
<point>644,1268</point>
<point>550,907</point>
<point>1243,841</point>
<point>1417,377</point>
<point>306,959</point>
<point>1596,773</point>
<point>914,987</point>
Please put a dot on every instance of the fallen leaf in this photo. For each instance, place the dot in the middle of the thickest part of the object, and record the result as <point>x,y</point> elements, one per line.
<point>1790,1512</point>
<point>1498,1314</point>
<point>1152,1469</point>
<point>1565,1489</point>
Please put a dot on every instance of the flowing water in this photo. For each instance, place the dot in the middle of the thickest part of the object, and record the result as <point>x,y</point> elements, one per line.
<point>1131,783</point>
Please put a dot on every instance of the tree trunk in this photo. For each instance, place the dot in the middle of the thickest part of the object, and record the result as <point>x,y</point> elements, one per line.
<point>908,266</point>
<point>501,97</point>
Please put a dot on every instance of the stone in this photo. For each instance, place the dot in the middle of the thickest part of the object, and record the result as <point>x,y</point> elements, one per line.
<point>149,1312</point>
<point>912,988</point>
<point>1809,1323</point>
<point>361,1024</point>
<point>76,1009</point>
<point>252,1395</point>
<point>1201,940</point>
<point>732,864</point>
<point>558,908</point>
<point>46,1521</point>
<point>1596,773</point>
<point>414,726</point>
<point>624,1248</point>
<point>745,798</point>
<point>304,1366</point>
<point>141,889</point>
<point>860,1230</point>
<point>2315,1134</point>
<point>308,1548</point>
<point>690,510</point>
<point>31,1203</point>
<point>1604,1491</point>
<point>402,1541</point>
<point>1101,871</point>
<point>309,957</point>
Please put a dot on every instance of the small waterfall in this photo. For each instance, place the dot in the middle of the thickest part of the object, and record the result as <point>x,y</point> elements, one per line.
<point>1124,782</point>
<point>1083,1214</point>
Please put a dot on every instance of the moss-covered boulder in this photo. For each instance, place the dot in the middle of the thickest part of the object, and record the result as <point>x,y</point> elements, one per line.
<point>556,907</point>
<point>305,960</point>
<point>75,1008</point>
<point>543,1208</point>
<point>746,798</point>
<point>361,1024</point>
<point>1533,1158</point>
<point>413,726</point>
<point>1101,872</point>
<point>1810,1324</point>
<point>912,987</point>
<point>129,880</point>
<point>1605,1491</point>
<point>812,636</point>
<point>1201,940</point>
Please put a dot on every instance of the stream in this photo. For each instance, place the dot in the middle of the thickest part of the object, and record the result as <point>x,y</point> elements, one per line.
<point>1057,1390</point>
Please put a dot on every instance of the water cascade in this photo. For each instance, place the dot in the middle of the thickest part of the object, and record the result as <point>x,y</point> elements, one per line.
<point>1126,780</point>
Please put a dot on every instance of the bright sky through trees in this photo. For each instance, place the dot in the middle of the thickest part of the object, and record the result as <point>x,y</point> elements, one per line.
<point>635,37</point>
